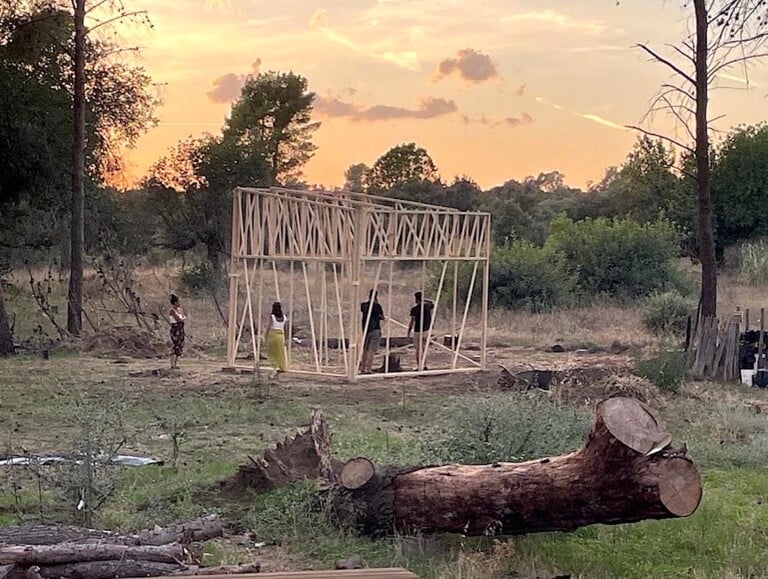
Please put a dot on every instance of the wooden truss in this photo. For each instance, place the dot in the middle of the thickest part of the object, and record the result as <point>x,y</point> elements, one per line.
<point>319,253</point>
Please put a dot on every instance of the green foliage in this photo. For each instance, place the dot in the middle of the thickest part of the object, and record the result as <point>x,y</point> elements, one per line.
<point>400,166</point>
<point>274,115</point>
<point>740,185</point>
<point>199,280</point>
<point>754,263</point>
<point>513,427</point>
<point>668,313</point>
<point>619,258</point>
<point>667,369</point>
<point>524,276</point>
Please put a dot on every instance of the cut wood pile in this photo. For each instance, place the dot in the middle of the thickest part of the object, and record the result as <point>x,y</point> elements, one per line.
<point>51,552</point>
<point>717,350</point>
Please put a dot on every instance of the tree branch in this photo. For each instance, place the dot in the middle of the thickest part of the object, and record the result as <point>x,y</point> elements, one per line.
<point>660,136</point>
<point>658,58</point>
<point>741,59</point>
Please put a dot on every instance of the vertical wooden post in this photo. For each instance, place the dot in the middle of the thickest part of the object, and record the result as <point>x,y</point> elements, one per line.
<point>234,280</point>
<point>486,282</point>
<point>257,359</point>
<point>746,320</point>
<point>388,315</point>
<point>290,313</point>
<point>356,279</point>
<point>760,346</point>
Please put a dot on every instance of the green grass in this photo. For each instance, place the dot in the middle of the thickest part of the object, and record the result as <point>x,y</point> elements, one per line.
<point>224,418</point>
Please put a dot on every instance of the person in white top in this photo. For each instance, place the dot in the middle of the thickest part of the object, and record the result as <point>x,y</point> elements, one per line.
<point>177,318</point>
<point>276,340</point>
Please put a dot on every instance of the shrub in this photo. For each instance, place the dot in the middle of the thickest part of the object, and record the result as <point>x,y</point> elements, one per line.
<point>522,276</point>
<point>199,280</point>
<point>754,263</point>
<point>507,428</point>
<point>667,369</point>
<point>667,313</point>
<point>617,257</point>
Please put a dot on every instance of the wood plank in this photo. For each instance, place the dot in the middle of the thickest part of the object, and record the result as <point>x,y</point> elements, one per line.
<point>394,573</point>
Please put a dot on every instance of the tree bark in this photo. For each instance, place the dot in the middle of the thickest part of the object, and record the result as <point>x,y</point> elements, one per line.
<point>77,553</point>
<point>624,473</point>
<point>703,179</point>
<point>75,294</point>
<point>6,336</point>
<point>109,569</point>
<point>198,530</point>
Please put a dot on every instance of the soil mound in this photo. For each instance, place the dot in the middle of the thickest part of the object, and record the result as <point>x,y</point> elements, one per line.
<point>127,341</point>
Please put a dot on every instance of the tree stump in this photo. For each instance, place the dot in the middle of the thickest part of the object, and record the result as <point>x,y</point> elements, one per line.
<point>626,472</point>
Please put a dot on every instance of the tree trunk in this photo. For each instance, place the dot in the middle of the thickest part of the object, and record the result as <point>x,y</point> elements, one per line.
<point>624,473</point>
<point>109,569</point>
<point>75,295</point>
<point>6,336</point>
<point>703,181</point>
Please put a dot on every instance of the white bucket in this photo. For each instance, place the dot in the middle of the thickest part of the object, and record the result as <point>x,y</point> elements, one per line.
<point>746,376</point>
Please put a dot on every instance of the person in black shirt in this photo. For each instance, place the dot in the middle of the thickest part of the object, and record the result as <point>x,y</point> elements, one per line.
<point>421,322</point>
<point>372,338</point>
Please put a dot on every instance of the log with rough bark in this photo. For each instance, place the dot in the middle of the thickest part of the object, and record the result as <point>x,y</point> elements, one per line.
<point>305,456</point>
<point>198,530</point>
<point>626,472</point>
<point>75,553</point>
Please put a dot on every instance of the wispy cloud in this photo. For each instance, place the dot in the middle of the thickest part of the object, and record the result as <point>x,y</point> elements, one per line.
<point>557,20</point>
<point>470,65</point>
<point>429,108</point>
<point>509,122</point>
<point>746,81</point>
<point>601,121</point>
<point>514,122</point>
<point>404,59</point>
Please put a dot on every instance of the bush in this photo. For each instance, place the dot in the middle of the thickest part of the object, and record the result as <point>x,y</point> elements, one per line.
<point>199,280</point>
<point>522,276</point>
<point>617,257</point>
<point>667,313</point>
<point>754,263</point>
<point>507,428</point>
<point>667,369</point>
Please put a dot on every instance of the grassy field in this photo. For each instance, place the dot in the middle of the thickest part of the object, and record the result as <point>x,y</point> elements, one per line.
<point>216,419</point>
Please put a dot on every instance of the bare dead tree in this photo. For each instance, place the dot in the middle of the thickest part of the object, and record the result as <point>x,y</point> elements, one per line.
<point>725,35</point>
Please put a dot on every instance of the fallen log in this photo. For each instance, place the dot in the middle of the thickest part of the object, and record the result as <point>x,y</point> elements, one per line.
<point>109,569</point>
<point>198,530</point>
<point>626,472</point>
<point>74,553</point>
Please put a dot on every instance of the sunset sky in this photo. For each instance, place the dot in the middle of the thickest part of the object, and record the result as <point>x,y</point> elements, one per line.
<point>493,89</point>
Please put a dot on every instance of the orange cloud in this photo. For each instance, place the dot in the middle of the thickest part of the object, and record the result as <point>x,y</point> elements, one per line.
<point>227,88</point>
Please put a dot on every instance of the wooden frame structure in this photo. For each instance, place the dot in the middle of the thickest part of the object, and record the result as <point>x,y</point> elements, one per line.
<point>334,247</point>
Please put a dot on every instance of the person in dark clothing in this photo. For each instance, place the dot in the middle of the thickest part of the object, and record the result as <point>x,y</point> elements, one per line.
<point>421,322</point>
<point>372,329</point>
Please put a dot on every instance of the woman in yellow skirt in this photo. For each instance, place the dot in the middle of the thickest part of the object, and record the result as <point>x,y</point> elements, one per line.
<point>276,340</point>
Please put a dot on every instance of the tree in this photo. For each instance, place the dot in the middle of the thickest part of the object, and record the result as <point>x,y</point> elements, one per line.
<point>357,178</point>
<point>740,186</point>
<point>727,34</point>
<point>400,166</point>
<point>274,115</point>
<point>6,336</point>
<point>110,102</point>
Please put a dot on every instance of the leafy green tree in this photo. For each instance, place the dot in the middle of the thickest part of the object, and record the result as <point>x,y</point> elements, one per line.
<point>274,116</point>
<point>403,165</point>
<point>357,177</point>
<point>740,186</point>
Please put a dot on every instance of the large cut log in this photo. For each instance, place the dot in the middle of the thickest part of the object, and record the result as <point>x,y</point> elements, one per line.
<point>197,530</point>
<point>75,553</point>
<point>109,570</point>
<point>305,456</point>
<point>626,472</point>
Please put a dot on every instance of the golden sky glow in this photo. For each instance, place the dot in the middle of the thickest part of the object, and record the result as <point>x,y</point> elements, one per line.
<point>493,89</point>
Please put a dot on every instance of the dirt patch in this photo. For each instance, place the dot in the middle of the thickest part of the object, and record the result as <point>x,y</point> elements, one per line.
<point>127,341</point>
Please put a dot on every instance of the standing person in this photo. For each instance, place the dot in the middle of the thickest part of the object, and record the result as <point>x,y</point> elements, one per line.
<point>372,338</point>
<point>176,314</point>
<point>421,322</point>
<point>276,340</point>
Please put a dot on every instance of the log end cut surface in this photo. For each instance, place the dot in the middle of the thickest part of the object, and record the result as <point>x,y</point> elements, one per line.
<point>680,486</point>
<point>633,424</point>
<point>356,472</point>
